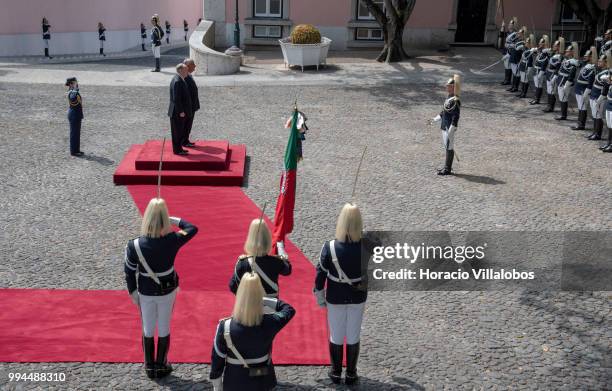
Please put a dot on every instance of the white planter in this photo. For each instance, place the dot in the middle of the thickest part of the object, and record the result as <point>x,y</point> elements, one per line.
<point>305,55</point>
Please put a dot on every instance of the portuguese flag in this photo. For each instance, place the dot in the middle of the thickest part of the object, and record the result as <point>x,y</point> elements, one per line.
<point>283,217</point>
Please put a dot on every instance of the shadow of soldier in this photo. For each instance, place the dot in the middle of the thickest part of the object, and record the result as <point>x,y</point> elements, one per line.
<point>485,180</point>
<point>98,159</point>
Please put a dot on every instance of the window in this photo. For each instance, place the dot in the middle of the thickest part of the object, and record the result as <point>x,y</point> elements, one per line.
<point>568,15</point>
<point>362,10</point>
<point>268,8</point>
<point>366,34</point>
<point>267,31</point>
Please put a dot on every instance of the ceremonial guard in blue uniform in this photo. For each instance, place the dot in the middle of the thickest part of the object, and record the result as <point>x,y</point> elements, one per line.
<point>567,76</point>
<point>526,65</point>
<point>516,53</point>
<point>46,35</point>
<point>552,73</point>
<point>241,354</point>
<point>605,43</point>
<point>540,63</point>
<point>449,117</point>
<point>168,31</point>
<point>185,28</point>
<point>256,260</point>
<point>608,79</point>
<point>509,39</point>
<point>75,116</point>
<point>341,287</point>
<point>598,96</point>
<point>143,36</point>
<point>584,84</point>
<point>101,37</point>
<point>156,40</point>
<point>152,281</point>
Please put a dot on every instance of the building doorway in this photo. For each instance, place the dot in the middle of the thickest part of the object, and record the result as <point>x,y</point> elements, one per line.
<point>471,20</point>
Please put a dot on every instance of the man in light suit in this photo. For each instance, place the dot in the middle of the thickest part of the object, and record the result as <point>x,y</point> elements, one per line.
<point>179,109</point>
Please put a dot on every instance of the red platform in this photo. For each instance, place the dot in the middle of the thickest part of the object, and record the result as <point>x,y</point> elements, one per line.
<point>184,170</point>
<point>206,155</point>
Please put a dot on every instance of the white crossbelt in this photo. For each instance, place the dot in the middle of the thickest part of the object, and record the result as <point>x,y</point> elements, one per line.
<point>255,267</point>
<point>239,360</point>
<point>342,277</point>
<point>150,273</point>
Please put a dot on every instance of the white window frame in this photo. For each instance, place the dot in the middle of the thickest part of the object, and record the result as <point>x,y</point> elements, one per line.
<point>369,16</point>
<point>267,35</point>
<point>267,14</point>
<point>370,37</point>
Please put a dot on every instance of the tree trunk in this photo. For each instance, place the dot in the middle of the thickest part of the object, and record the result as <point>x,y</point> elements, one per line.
<point>393,50</point>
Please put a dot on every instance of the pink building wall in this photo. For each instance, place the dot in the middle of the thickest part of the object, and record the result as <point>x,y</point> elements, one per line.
<point>23,17</point>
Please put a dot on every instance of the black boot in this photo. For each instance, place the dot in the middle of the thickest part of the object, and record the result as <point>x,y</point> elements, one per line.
<point>102,52</point>
<point>582,114</point>
<point>597,128</point>
<point>148,346</point>
<point>507,77</point>
<point>156,65</point>
<point>143,48</point>
<point>514,84</point>
<point>552,99</point>
<point>163,368</point>
<point>563,115</point>
<point>520,89</point>
<point>537,96</point>
<point>335,357</point>
<point>352,354</point>
<point>448,165</point>
<point>525,89</point>
<point>608,146</point>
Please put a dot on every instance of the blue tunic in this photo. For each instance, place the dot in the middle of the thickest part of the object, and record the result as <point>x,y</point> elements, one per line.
<point>609,103</point>
<point>567,71</point>
<point>600,86</point>
<point>516,51</point>
<point>541,60</point>
<point>585,80</point>
<point>252,343</point>
<point>526,60</point>
<point>271,265</point>
<point>554,63</point>
<point>156,35</point>
<point>45,29</point>
<point>450,112</point>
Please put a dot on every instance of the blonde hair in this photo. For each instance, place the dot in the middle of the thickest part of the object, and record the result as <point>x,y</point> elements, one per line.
<point>155,220</point>
<point>349,226</point>
<point>259,239</point>
<point>248,307</point>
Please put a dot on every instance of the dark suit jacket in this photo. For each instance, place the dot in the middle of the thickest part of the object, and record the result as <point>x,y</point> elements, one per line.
<point>180,99</point>
<point>193,91</point>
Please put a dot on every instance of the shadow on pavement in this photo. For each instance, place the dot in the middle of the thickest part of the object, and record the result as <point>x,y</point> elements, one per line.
<point>485,180</point>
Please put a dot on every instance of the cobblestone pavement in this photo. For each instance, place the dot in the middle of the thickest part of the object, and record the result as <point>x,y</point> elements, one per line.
<point>65,223</point>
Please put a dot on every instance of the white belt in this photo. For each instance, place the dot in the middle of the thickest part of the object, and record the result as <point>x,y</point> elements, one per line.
<point>342,277</point>
<point>583,82</point>
<point>336,279</point>
<point>258,360</point>
<point>162,274</point>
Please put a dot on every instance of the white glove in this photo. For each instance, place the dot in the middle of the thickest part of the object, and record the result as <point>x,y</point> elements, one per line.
<point>217,383</point>
<point>175,220</point>
<point>553,81</point>
<point>134,297</point>
<point>436,118</point>
<point>601,99</point>
<point>280,247</point>
<point>587,93</point>
<point>320,296</point>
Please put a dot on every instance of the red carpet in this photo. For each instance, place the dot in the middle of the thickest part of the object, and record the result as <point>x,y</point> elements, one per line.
<point>103,326</point>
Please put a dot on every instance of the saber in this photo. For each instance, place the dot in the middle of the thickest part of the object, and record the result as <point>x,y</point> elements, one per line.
<point>357,174</point>
<point>490,66</point>
<point>159,171</point>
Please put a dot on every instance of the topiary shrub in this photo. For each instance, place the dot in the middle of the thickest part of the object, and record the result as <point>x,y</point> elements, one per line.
<point>305,34</point>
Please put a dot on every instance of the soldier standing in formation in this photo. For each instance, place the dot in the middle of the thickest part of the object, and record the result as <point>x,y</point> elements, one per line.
<point>598,97</point>
<point>516,53</point>
<point>526,65</point>
<point>540,63</point>
<point>101,37</point>
<point>567,77</point>
<point>156,39</point>
<point>75,116</point>
<point>449,118</point>
<point>143,36</point>
<point>256,259</point>
<point>605,42</point>
<point>608,79</point>
<point>46,35</point>
<point>195,100</point>
<point>168,31</point>
<point>241,353</point>
<point>509,41</point>
<point>584,84</point>
<point>552,70</point>
<point>185,28</point>
<point>179,109</point>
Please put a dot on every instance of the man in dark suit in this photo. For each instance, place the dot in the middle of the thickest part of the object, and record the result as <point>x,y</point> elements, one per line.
<point>179,109</point>
<point>195,100</point>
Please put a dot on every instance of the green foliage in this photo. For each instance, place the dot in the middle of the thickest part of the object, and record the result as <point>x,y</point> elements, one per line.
<point>305,34</point>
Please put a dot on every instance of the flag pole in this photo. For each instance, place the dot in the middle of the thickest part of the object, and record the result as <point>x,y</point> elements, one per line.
<point>159,171</point>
